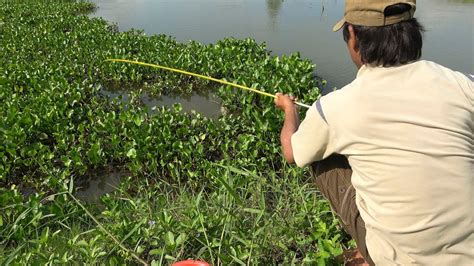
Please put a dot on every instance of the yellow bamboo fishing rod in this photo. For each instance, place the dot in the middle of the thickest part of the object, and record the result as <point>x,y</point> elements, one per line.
<point>201,76</point>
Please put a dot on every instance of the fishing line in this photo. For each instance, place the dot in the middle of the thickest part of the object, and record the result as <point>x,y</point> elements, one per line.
<point>203,77</point>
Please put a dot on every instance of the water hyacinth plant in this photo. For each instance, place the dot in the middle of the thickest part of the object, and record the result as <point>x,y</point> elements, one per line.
<point>211,189</point>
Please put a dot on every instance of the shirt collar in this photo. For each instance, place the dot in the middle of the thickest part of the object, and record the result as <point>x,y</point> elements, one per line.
<point>363,69</point>
<point>366,68</point>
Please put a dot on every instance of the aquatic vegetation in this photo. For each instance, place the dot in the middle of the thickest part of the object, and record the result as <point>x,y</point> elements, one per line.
<point>218,190</point>
<point>220,81</point>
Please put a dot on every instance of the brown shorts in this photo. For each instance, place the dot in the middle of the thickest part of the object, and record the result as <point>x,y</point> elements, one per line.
<point>333,178</point>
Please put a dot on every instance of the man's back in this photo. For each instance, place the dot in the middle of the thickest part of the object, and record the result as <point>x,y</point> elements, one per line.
<point>408,134</point>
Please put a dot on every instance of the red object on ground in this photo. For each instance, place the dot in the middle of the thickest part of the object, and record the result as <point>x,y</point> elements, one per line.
<point>191,263</point>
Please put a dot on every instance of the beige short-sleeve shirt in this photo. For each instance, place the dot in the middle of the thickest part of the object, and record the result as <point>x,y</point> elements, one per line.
<point>408,134</point>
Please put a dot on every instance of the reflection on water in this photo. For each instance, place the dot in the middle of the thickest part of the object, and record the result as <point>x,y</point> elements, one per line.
<point>285,26</point>
<point>294,25</point>
<point>207,104</point>
<point>98,183</point>
<point>273,9</point>
<point>461,1</point>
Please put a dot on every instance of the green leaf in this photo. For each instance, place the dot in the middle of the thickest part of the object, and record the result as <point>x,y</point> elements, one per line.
<point>94,153</point>
<point>131,232</point>
<point>140,249</point>
<point>170,239</point>
<point>156,251</point>
<point>230,190</point>
<point>180,239</point>
<point>71,185</point>
<point>250,210</point>
<point>138,120</point>
<point>132,153</point>
<point>82,243</point>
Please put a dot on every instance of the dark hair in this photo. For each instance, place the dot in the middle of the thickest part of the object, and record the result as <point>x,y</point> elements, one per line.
<point>390,45</point>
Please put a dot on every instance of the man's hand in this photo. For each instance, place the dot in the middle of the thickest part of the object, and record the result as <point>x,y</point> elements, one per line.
<point>290,125</point>
<point>285,102</point>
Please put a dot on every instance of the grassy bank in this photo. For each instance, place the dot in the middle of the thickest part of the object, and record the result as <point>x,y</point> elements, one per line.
<point>217,190</point>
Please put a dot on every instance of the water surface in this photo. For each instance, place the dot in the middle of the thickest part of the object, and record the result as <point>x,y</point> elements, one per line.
<point>294,25</point>
<point>205,103</point>
<point>99,182</point>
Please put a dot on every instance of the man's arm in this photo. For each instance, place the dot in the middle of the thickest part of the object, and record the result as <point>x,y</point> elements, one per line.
<point>290,124</point>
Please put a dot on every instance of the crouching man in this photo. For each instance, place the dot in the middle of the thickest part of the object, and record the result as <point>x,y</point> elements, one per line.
<point>393,151</point>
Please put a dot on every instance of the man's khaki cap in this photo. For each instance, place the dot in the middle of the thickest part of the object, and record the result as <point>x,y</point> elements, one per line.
<point>371,13</point>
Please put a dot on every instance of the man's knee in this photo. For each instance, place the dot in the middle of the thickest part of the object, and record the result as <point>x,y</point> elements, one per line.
<point>333,178</point>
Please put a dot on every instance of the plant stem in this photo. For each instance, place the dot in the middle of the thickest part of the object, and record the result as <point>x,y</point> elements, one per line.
<point>135,256</point>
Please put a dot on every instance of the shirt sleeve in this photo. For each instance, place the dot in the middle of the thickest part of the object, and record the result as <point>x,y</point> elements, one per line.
<point>312,141</point>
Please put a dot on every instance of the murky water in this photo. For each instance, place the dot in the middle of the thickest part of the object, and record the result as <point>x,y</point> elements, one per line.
<point>205,103</point>
<point>294,25</point>
<point>98,183</point>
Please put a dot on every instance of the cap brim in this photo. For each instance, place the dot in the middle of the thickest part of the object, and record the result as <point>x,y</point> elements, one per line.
<point>339,25</point>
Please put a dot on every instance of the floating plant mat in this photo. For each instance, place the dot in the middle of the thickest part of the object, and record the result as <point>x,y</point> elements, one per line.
<point>213,189</point>
<point>204,77</point>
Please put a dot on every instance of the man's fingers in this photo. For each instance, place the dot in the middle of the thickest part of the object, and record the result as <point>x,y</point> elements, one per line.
<point>277,98</point>
<point>280,98</point>
<point>293,98</point>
